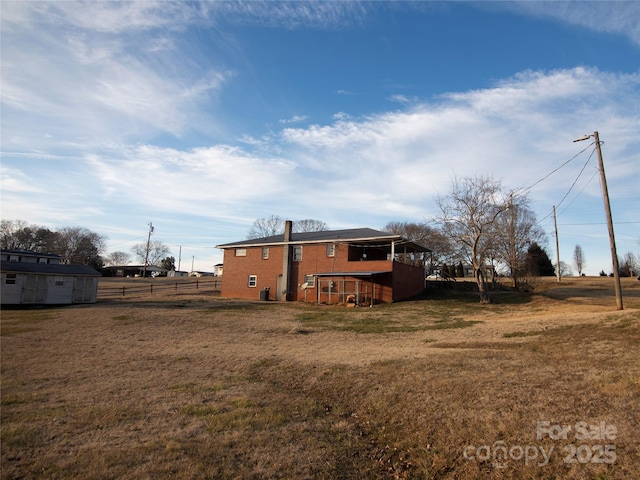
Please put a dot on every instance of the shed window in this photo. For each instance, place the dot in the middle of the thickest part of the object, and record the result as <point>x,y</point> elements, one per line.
<point>253,281</point>
<point>331,250</point>
<point>241,252</point>
<point>297,253</point>
<point>10,279</point>
<point>265,253</point>
<point>310,280</point>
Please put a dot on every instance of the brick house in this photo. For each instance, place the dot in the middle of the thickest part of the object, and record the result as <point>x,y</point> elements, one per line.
<point>359,266</point>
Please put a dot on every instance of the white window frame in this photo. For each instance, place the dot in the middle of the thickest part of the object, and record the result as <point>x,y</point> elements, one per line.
<point>265,253</point>
<point>331,250</point>
<point>241,252</point>
<point>297,253</point>
<point>310,280</point>
<point>252,281</point>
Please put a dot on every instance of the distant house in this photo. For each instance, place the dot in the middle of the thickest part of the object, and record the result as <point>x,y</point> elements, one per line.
<point>134,271</point>
<point>34,278</point>
<point>195,273</point>
<point>358,266</point>
<point>177,273</point>
<point>217,269</point>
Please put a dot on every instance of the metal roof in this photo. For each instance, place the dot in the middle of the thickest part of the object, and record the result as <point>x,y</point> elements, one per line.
<point>46,268</point>
<point>363,235</point>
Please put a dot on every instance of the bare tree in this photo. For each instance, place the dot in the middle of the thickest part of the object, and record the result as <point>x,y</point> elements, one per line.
<point>81,246</point>
<point>427,236</point>
<point>17,234</point>
<point>309,225</point>
<point>630,265</point>
<point>157,251</point>
<point>274,225</point>
<point>579,260</point>
<point>9,234</point>
<point>565,269</point>
<point>74,244</point>
<point>266,227</point>
<point>118,259</point>
<point>517,229</point>
<point>469,219</point>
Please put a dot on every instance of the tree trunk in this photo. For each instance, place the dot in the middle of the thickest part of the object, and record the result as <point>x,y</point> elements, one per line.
<point>482,286</point>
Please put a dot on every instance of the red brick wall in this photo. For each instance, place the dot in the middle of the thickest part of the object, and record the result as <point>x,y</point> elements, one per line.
<point>409,279</point>
<point>235,278</point>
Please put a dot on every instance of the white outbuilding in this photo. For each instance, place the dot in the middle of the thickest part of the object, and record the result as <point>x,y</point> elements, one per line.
<point>30,278</point>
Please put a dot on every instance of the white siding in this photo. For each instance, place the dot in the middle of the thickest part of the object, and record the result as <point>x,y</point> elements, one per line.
<point>59,289</point>
<point>12,292</point>
<point>85,290</point>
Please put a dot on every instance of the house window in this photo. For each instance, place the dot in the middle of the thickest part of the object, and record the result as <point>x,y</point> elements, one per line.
<point>14,258</point>
<point>42,260</point>
<point>10,279</point>
<point>331,250</point>
<point>297,253</point>
<point>253,281</point>
<point>310,280</point>
<point>241,252</point>
<point>265,253</point>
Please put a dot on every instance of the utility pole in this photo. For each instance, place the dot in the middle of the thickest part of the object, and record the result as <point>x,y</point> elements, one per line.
<point>612,240</point>
<point>607,211</point>
<point>512,242</point>
<point>146,255</point>
<point>179,257</point>
<point>555,223</point>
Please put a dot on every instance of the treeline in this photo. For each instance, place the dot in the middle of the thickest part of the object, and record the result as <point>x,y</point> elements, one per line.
<point>75,245</point>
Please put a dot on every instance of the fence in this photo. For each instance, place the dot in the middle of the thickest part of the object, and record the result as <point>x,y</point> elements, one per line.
<point>339,290</point>
<point>113,290</point>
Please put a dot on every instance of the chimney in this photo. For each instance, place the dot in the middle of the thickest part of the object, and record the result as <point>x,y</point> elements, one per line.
<point>288,226</point>
<point>286,253</point>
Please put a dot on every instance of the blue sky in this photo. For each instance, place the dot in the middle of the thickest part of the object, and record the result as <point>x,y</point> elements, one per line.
<point>202,117</point>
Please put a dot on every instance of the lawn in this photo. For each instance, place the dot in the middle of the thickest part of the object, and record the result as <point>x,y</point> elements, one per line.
<point>190,386</point>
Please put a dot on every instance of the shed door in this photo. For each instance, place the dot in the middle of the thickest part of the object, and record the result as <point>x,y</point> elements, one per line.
<point>35,289</point>
<point>83,290</point>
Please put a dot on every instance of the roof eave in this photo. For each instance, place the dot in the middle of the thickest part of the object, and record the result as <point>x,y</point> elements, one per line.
<point>307,242</point>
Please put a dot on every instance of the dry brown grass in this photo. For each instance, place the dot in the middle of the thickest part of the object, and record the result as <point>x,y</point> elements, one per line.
<point>192,386</point>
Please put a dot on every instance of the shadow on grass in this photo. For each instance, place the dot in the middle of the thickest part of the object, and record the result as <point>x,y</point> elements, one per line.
<point>500,297</point>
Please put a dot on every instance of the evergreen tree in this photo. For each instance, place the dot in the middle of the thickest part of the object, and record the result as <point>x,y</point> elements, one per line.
<point>460,270</point>
<point>538,263</point>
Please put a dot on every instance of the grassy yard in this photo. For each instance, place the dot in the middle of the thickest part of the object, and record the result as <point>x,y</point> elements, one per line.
<point>191,386</point>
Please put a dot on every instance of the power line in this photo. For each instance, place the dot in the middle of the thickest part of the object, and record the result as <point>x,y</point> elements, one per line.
<point>576,180</point>
<point>552,172</point>
<point>583,188</point>
<point>572,185</point>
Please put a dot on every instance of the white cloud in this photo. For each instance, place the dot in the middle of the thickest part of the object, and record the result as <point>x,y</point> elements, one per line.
<point>109,73</point>
<point>517,131</point>
<point>403,99</point>
<point>618,17</point>
<point>294,119</point>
